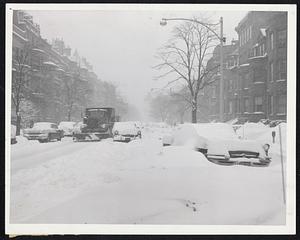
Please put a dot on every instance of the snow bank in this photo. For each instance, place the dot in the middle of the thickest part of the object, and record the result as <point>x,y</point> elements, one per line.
<point>138,183</point>
<point>252,131</point>
<point>21,139</point>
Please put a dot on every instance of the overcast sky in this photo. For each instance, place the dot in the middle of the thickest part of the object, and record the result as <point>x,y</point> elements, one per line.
<point>121,45</point>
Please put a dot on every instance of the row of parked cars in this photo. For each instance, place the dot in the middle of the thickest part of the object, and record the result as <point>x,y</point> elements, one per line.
<point>47,131</point>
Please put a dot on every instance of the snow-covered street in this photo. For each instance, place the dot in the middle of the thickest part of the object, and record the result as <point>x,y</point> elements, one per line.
<point>139,182</point>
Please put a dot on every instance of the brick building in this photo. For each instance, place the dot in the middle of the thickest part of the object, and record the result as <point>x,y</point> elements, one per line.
<point>254,70</point>
<point>209,100</point>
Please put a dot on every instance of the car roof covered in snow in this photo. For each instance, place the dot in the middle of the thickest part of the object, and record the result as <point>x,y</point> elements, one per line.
<point>125,124</point>
<point>66,123</point>
<point>43,125</point>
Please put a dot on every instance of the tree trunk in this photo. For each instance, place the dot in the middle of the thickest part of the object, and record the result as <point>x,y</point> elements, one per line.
<point>18,123</point>
<point>194,111</point>
<point>69,116</point>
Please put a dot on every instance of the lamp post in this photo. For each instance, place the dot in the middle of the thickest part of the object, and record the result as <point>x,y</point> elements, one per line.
<point>220,36</point>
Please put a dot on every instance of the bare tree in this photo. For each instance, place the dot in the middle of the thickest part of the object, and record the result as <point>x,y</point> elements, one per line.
<point>160,107</point>
<point>20,81</point>
<point>183,60</point>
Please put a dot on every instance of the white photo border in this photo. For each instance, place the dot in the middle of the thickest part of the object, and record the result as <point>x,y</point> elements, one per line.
<point>289,228</point>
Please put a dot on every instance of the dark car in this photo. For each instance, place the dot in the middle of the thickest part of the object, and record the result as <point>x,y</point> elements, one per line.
<point>43,132</point>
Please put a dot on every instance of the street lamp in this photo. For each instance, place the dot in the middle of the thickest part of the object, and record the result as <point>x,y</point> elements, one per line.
<point>222,39</point>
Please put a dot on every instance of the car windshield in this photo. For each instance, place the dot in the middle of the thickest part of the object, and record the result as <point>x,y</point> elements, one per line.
<point>42,125</point>
<point>67,124</point>
<point>123,125</point>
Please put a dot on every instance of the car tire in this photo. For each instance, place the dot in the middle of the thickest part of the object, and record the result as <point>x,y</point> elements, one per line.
<point>48,138</point>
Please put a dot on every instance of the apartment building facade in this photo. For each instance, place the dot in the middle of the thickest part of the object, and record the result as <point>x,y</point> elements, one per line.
<point>49,71</point>
<point>255,71</point>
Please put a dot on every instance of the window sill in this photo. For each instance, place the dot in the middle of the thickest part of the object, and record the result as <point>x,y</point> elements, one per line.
<point>281,80</point>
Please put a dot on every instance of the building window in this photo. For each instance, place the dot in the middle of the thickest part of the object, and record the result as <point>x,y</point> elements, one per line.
<point>213,92</point>
<point>281,104</point>
<point>246,105</point>
<point>230,107</point>
<point>282,38</point>
<point>256,75</point>
<point>263,49</point>
<point>271,105</point>
<point>230,84</point>
<point>236,105</point>
<point>240,39</point>
<point>245,80</point>
<point>258,104</point>
<point>213,107</point>
<point>282,69</point>
<point>272,41</point>
<point>271,72</point>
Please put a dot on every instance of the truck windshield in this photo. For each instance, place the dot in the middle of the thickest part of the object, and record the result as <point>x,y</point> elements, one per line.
<point>97,113</point>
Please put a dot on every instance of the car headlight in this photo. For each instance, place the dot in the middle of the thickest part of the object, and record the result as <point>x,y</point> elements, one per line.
<point>116,132</point>
<point>266,148</point>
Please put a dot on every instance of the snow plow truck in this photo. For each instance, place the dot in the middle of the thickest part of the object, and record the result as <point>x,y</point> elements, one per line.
<point>97,125</point>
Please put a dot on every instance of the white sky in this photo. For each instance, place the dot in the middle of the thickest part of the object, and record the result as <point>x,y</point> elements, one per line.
<point>121,45</point>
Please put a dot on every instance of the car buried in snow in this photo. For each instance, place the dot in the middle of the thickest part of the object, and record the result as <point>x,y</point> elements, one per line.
<point>43,132</point>
<point>219,143</point>
<point>126,131</point>
<point>67,127</point>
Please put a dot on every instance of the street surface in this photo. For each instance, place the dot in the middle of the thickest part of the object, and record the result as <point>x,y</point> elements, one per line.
<point>137,183</point>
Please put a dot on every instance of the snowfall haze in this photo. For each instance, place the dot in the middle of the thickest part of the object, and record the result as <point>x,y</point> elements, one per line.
<point>121,45</point>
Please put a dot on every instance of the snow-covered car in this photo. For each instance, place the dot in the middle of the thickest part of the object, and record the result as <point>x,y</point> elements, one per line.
<point>126,131</point>
<point>77,128</point>
<point>43,132</point>
<point>13,130</point>
<point>67,128</point>
<point>219,143</point>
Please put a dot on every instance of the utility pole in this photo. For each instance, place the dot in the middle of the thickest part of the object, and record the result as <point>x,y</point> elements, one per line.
<point>221,103</point>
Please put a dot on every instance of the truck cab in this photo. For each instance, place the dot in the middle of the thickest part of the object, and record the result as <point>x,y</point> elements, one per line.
<point>97,124</point>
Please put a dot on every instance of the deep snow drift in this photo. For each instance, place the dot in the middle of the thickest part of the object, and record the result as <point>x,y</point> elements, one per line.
<point>138,183</point>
